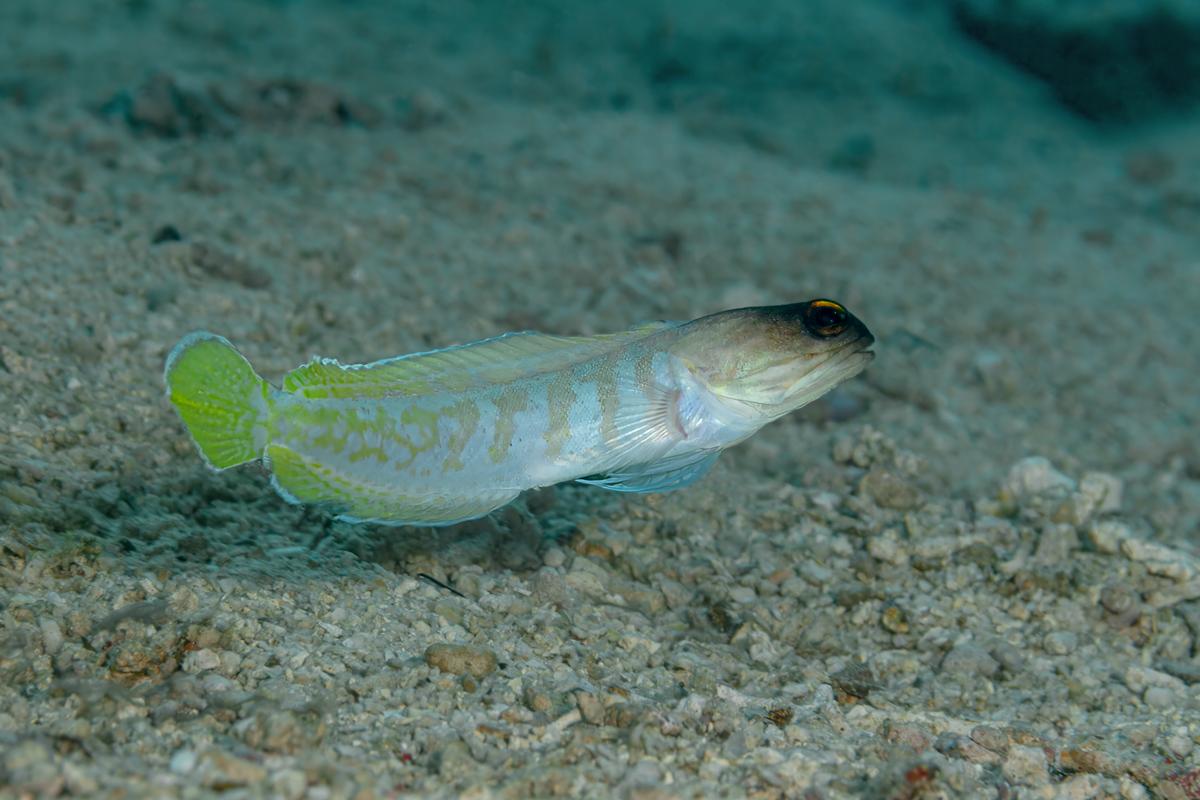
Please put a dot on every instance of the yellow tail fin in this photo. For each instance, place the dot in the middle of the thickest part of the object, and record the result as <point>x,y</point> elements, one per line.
<point>220,398</point>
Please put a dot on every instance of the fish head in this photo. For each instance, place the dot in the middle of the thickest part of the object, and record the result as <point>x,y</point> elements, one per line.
<point>769,360</point>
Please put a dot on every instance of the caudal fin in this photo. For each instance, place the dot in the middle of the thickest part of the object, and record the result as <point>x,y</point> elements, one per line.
<point>223,402</point>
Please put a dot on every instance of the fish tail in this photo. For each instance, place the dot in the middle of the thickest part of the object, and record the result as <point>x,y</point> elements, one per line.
<point>223,402</point>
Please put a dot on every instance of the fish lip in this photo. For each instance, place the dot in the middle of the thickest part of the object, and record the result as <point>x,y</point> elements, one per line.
<point>860,346</point>
<point>856,353</point>
<point>849,352</point>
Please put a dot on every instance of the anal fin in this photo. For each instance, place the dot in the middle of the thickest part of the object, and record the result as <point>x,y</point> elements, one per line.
<point>300,479</point>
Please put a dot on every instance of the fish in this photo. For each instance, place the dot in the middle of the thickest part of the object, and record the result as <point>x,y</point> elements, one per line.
<point>448,435</point>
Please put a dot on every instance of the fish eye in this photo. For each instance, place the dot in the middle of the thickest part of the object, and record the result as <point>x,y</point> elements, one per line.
<point>826,318</point>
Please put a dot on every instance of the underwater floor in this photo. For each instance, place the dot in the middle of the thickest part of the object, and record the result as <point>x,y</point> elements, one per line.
<point>973,571</point>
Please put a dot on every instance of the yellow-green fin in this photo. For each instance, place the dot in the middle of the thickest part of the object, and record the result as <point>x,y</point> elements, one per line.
<point>455,369</point>
<point>219,397</point>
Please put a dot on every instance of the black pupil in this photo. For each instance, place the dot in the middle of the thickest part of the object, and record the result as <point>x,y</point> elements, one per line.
<point>821,317</point>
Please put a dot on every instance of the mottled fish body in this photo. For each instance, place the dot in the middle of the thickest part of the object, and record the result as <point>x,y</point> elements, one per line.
<point>440,437</point>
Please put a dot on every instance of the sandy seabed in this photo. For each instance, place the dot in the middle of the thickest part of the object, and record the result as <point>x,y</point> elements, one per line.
<point>971,572</point>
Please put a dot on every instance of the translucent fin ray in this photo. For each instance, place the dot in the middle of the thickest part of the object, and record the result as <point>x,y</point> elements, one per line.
<point>303,480</point>
<point>657,476</point>
<point>453,369</point>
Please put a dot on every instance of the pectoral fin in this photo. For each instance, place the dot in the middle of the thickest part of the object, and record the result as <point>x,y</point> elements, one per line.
<point>658,476</point>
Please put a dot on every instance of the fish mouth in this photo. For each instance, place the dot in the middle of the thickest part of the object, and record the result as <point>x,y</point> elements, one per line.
<point>856,351</point>
<point>837,366</point>
<point>860,351</point>
<point>812,375</point>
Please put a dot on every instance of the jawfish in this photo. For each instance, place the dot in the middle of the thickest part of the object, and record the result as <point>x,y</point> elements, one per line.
<point>439,437</point>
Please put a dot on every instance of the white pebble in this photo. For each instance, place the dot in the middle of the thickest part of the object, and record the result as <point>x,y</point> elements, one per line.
<point>1138,679</point>
<point>183,761</point>
<point>887,549</point>
<point>1180,572</point>
<point>1106,535</point>
<point>1105,491</point>
<point>585,582</point>
<point>1132,790</point>
<point>405,585</point>
<point>1160,559</point>
<point>52,636</point>
<point>1034,476</point>
<point>1140,550</point>
<point>201,660</point>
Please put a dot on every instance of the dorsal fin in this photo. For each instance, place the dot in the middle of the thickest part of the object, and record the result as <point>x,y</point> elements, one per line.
<point>501,359</point>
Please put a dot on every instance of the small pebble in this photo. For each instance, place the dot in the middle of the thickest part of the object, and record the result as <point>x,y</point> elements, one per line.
<point>1132,790</point>
<point>538,701</point>
<point>1035,476</point>
<point>1138,679</point>
<point>219,770</point>
<point>1060,643</point>
<point>1160,559</point>
<point>459,659</point>
<point>201,660</point>
<point>989,737</point>
<point>969,659</point>
<point>743,595</point>
<point>281,731</point>
<point>1091,761</point>
<point>889,490</point>
<point>52,636</point>
<point>1026,766</point>
<point>1160,697</point>
<point>976,753</point>
<point>1181,744</point>
<point>1079,787</point>
<point>585,582</point>
<point>676,594</point>
<point>289,783</point>
<point>1106,535</point>
<point>1117,598</point>
<point>549,587</point>
<point>590,708</point>
<point>182,761</point>
<point>1103,493</point>
<point>1008,656</point>
<point>894,619</point>
<point>887,549</point>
